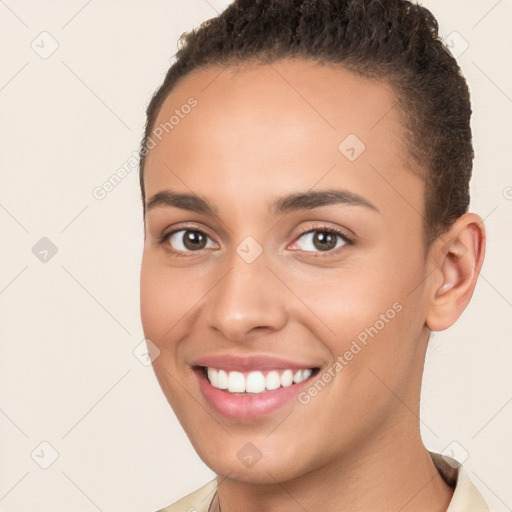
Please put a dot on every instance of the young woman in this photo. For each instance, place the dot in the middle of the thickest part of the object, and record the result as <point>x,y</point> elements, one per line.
<point>305,177</point>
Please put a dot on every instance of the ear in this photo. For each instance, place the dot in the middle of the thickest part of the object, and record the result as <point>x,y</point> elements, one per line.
<point>458,255</point>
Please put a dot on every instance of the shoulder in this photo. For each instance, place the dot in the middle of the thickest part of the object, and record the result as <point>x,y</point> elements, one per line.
<point>197,501</point>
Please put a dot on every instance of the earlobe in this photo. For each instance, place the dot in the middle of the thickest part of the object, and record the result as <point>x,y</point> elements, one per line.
<point>458,265</point>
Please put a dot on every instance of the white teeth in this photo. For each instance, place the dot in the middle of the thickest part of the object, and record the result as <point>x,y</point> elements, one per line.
<point>236,382</point>
<point>222,379</point>
<point>212,374</point>
<point>272,381</point>
<point>301,375</point>
<point>255,382</point>
<point>306,374</point>
<point>287,378</point>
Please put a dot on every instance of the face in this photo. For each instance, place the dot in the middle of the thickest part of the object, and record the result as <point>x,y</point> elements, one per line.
<point>284,233</point>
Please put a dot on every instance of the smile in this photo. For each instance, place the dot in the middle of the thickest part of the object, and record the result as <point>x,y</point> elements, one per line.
<point>255,382</point>
<point>246,395</point>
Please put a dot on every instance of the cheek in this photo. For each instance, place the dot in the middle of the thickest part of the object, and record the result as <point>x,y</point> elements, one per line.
<point>348,302</point>
<point>160,303</point>
<point>366,313</point>
<point>151,302</point>
<point>166,297</point>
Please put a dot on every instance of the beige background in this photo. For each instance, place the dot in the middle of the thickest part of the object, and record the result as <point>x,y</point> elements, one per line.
<point>70,324</point>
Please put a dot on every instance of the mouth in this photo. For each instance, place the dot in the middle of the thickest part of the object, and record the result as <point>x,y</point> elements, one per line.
<point>255,382</point>
<point>250,395</point>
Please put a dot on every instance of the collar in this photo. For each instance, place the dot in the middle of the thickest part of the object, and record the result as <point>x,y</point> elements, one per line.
<point>466,497</point>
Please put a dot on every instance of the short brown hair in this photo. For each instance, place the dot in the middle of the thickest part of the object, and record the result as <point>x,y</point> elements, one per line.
<point>391,40</point>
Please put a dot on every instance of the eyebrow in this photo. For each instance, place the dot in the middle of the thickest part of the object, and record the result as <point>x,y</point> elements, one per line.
<point>282,205</point>
<point>310,200</point>
<point>190,202</point>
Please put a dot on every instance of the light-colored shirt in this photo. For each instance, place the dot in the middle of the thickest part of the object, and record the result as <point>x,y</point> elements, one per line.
<point>466,497</point>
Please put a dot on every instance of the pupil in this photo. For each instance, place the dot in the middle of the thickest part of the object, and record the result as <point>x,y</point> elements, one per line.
<point>193,240</point>
<point>321,238</point>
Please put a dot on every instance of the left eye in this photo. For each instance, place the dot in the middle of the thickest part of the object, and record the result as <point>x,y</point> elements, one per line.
<point>322,240</point>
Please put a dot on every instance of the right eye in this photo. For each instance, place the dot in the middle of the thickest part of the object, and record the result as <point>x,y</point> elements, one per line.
<point>188,240</point>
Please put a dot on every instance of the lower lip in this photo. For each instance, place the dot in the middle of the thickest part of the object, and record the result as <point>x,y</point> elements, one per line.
<point>247,406</point>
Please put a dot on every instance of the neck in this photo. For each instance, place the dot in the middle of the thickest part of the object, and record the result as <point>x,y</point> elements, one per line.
<point>394,472</point>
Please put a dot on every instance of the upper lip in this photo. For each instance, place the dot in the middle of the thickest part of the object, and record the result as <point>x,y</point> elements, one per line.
<point>249,363</point>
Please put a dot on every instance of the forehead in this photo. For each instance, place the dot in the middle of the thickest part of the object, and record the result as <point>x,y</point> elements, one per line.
<point>258,128</point>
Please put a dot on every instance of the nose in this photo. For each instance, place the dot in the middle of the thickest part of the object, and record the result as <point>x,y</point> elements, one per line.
<point>249,299</point>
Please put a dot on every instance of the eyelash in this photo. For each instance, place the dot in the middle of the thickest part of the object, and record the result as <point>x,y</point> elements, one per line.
<point>162,239</point>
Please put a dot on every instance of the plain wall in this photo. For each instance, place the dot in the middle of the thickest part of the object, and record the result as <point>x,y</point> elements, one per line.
<point>70,320</point>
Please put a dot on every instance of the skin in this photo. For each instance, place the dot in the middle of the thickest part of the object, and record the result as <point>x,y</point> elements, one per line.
<point>259,133</point>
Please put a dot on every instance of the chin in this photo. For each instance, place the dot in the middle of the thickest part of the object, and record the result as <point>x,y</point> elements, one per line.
<point>254,467</point>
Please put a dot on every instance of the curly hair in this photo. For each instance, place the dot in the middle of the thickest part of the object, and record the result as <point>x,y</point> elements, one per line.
<point>395,41</point>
